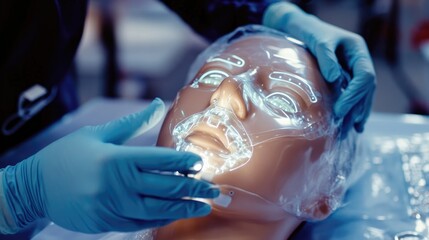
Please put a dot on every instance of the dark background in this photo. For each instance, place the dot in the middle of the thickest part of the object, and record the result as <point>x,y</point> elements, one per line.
<point>138,49</point>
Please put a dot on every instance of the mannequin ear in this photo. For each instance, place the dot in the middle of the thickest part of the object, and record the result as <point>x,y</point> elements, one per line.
<point>319,209</point>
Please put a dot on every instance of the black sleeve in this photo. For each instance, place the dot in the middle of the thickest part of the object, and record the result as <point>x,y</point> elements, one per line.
<point>38,42</point>
<point>214,18</point>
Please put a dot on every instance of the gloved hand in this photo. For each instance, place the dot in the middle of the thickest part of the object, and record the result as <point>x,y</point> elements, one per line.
<point>88,182</point>
<point>338,52</point>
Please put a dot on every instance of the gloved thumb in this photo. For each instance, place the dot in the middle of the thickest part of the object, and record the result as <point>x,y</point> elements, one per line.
<point>120,130</point>
<point>277,15</point>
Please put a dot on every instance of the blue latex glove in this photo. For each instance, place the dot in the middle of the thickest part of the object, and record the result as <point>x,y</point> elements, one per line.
<point>339,53</point>
<point>87,181</point>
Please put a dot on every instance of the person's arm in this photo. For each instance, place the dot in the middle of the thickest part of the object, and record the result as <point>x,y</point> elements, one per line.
<point>7,223</point>
<point>214,18</point>
<point>88,181</point>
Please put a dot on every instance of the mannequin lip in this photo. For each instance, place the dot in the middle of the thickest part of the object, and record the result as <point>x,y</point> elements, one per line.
<point>215,133</point>
<point>208,141</point>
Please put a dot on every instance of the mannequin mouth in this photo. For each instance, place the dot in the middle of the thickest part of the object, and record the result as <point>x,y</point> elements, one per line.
<point>215,136</point>
<point>220,153</point>
<point>208,141</point>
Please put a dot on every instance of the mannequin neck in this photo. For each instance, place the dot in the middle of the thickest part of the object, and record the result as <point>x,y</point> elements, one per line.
<point>216,226</point>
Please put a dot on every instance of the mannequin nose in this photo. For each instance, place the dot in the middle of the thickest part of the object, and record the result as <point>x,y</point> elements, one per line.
<point>229,95</point>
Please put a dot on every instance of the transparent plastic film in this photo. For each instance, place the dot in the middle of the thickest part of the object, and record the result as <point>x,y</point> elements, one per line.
<point>259,113</point>
<point>215,134</point>
<point>389,201</point>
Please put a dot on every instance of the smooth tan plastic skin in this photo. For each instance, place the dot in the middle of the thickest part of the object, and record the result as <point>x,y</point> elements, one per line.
<point>279,168</point>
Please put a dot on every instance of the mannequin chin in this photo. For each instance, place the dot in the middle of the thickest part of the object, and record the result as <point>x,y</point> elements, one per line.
<point>259,113</point>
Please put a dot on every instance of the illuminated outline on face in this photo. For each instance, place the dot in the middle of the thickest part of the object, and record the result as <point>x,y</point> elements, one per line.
<point>239,62</point>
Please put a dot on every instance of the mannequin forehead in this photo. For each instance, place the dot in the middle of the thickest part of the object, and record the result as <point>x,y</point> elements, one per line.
<point>266,54</point>
<point>266,50</point>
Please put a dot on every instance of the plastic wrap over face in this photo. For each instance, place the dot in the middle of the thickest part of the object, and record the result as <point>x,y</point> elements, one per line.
<point>259,113</point>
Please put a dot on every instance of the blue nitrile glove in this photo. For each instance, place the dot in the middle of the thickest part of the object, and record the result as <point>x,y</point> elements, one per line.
<point>88,182</point>
<point>338,51</point>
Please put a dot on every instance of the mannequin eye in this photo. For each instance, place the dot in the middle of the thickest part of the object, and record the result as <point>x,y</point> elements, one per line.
<point>281,103</point>
<point>213,78</point>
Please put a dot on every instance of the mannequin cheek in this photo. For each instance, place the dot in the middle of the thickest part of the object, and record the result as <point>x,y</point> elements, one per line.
<point>164,137</point>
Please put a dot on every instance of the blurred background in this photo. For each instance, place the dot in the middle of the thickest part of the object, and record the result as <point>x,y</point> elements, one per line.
<point>139,49</point>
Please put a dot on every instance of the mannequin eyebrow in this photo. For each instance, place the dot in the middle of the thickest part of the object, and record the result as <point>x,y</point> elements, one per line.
<point>233,60</point>
<point>297,81</point>
<point>215,72</point>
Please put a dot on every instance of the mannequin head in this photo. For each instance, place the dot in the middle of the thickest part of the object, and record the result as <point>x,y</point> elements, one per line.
<point>259,113</point>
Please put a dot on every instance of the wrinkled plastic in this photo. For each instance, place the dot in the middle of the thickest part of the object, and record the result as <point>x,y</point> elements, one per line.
<point>390,200</point>
<point>252,88</point>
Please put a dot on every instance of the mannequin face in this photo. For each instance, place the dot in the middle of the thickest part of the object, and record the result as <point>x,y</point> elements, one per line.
<point>258,112</point>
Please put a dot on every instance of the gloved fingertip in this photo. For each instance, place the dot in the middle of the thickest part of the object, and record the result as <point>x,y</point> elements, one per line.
<point>360,115</point>
<point>359,127</point>
<point>334,75</point>
<point>346,125</point>
<point>204,210</point>
<point>360,122</point>
<point>196,166</point>
<point>339,111</point>
<point>193,158</point>
<point>336,119</point>
<point>191,161</point>
<point>157,100</point>
<point>208,191</point>
<point>193,164</point>
<point>274,15</point>
<point>155,115</point>
<point>214,192</point>
<point>159,104</point>
<point>328,63</point>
